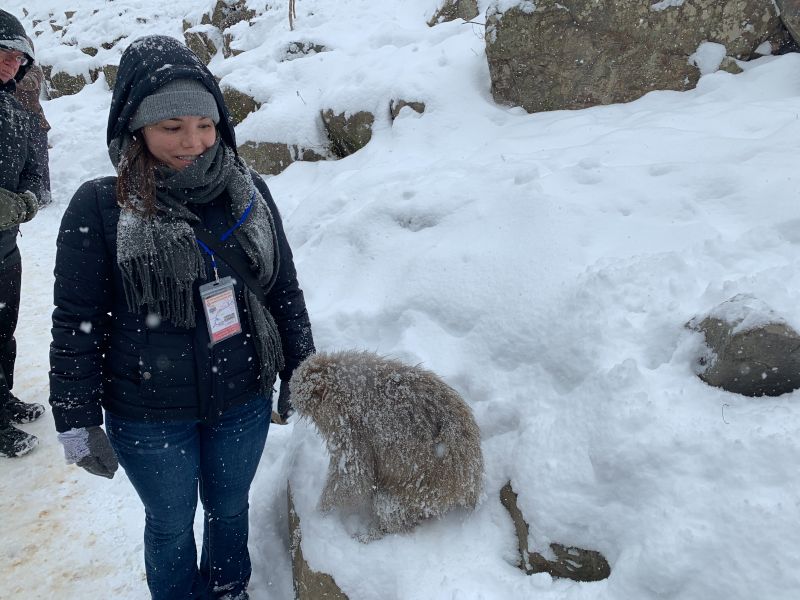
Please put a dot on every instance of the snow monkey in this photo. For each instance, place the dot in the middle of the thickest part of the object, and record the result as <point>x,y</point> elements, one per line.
<point>403,445</point>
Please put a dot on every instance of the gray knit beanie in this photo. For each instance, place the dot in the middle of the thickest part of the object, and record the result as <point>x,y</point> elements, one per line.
<point>178,98</point>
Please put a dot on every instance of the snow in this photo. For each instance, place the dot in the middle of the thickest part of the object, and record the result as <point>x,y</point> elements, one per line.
<point>665,4</point>
<point>745,313</point>
<point>708,57</point>
<point>543,265</point>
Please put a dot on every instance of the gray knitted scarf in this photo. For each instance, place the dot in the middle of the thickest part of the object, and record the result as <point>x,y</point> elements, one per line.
<point>160,260</point>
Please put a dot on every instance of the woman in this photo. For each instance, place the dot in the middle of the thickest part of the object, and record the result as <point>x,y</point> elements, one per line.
<point>20,180</point>
<point>179,342</point>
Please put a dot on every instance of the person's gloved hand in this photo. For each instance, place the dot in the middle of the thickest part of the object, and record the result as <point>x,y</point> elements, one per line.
<point>89,448</point>
<point>17,208</point>
<point>284,409</point>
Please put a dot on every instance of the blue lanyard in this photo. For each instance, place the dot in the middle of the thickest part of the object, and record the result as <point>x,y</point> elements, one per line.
<point>227,234</point>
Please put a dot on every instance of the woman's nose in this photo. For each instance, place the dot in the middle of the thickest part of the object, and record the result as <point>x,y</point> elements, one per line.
<point>190,139</point>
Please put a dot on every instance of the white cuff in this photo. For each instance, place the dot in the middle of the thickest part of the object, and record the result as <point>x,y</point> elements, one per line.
<point>76,444</point>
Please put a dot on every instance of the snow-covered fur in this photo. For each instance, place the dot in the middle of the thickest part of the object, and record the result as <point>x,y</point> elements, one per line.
<point>403,445</point>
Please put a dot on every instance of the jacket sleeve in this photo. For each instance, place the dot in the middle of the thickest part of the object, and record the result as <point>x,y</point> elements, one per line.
<point>82,296</point>
<point>31,177</point>
<point>285,300</point>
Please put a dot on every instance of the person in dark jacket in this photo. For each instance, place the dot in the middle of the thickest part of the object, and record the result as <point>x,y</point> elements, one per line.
<point>20,179</point>
<point>28,94</point>
<point>177,342</point>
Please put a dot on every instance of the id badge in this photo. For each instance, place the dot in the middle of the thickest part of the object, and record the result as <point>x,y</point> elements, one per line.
<point>219,304</point>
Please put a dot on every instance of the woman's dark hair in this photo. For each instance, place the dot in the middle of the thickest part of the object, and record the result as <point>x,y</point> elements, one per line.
<point>136,181</point>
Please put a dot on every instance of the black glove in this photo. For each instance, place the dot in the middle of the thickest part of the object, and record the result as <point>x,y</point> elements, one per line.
<point>16,208</point>
<point>102,459</point>
<point>284,409</point>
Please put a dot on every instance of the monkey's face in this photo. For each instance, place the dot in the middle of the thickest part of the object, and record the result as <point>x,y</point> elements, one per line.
<point>330,393</point>
<point>308,385</point>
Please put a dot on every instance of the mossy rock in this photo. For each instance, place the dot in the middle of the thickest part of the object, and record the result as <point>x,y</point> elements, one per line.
<point>110,73</point>
<point>239,104</point>
<point>64,84</point>
<point>226,14</point>
<point>271,158</point>
<point>347,133</point>
<point>201,42</point>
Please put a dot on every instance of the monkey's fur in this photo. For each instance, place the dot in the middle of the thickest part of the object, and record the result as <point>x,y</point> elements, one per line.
<point>403,445</point>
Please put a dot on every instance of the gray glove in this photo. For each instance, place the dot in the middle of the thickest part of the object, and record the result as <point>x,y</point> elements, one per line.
<point>17,208</point>
<point>89,448</point>
<point>284,409</point>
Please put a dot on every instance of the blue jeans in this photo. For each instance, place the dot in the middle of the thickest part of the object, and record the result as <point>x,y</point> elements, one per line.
<point>167,462</point>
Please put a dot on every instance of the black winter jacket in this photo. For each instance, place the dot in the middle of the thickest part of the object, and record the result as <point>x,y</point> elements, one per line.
<point>19,167</point>
<point>103,354</point>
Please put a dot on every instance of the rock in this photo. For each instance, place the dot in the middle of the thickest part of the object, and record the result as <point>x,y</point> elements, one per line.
<point>790,16</point>
<point>347,133</point>
<point>571,54</point>
<point>271,158</point>
<point>90,51</point>
<point>47,70</point>
<point>227,13</point>
<point>570,563</point>
<point>750,349</point>
<point>64,84</point>
<point>455,9</point>
<point>227,49</point>
<point>203,40</point>
<point>300,49</point>
<point>308,584</point>
<point>239,104</point>
<point>729,65</point>
<point>110,73</point>
<point>111,44</point>
<point>395,106</point>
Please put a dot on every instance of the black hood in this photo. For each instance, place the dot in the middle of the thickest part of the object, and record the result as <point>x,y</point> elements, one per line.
<point>13,37</point>
<point>147,64</point>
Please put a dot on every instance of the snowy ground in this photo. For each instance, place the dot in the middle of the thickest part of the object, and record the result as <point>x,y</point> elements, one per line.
<point>544,265</point>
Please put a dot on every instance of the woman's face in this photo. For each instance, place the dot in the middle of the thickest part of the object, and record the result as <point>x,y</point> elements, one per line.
<point>10,62</point>
<point>178,142</point>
